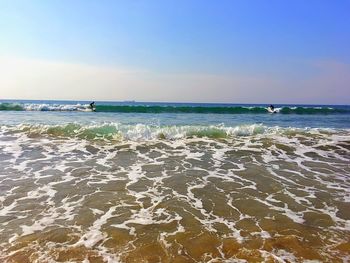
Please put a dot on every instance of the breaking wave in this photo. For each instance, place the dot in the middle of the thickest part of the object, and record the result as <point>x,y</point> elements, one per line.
<point>140,132</point>
<point>169,109</point>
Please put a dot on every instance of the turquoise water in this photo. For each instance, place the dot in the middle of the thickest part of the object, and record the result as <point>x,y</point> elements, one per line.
<point>165,114</point>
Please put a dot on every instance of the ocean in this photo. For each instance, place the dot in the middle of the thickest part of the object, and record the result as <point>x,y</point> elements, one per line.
<point>173,182</point>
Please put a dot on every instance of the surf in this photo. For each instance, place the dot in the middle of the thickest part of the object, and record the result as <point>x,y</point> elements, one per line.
<point>184,109</point>
<point>143,132</point>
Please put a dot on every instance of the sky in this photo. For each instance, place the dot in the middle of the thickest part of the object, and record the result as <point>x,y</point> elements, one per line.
<point>230,51</point>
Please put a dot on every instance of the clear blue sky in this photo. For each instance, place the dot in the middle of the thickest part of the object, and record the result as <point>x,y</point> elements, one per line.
<point>229,51</point>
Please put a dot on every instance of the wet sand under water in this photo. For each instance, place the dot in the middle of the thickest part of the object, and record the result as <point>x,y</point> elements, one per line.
<point>278,198</point>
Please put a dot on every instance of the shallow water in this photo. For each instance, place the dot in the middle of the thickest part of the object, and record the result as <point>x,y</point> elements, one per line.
<point>157,188</point>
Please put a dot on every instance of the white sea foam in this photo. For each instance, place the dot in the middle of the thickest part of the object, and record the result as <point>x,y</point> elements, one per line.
<point>175,185</point>
<point>55,107</point>
<point>142,132</point>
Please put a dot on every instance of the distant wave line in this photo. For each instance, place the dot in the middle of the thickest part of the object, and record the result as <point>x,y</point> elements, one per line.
<point>169,109</point>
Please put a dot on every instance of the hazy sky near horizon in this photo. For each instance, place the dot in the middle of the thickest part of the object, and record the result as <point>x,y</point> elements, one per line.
<point>239,51</point>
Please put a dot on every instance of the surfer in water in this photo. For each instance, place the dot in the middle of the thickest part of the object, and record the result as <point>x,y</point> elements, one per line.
<point>92,106</point>
<point>271,109</point>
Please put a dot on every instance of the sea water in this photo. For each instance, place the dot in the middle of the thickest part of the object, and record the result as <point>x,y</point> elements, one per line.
<point>173,182</point>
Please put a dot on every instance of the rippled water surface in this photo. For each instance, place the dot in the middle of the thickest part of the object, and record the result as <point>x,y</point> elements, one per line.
<point>101,187</point>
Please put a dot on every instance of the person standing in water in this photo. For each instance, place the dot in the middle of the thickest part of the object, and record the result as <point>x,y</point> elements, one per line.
<point>92,106</point>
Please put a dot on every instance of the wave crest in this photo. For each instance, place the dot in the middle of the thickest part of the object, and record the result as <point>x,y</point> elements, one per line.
<point>139,132</point>
<point>169,109</point>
